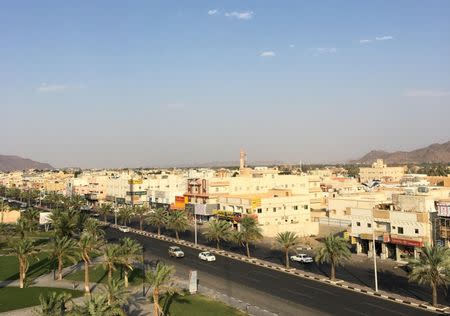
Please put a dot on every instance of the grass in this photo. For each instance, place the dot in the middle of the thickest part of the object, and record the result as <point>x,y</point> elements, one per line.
<point>39,265</point>
<point>14,298</point>
<point>200,306</point>
<point>97,274</point>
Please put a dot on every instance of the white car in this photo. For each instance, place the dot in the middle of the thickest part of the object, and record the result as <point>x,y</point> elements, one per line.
<point>175,251</point>
<point>124,229</point>
<point>207,256</point>
<point>301,257</point>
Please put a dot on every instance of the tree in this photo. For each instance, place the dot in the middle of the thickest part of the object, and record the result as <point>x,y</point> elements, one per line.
<point>92,227</point>
<point>334,251</point>
<point>64,224</point>
<point>23,248</point>
<point>87,245</point>
<point>112,259</point>
<point>104,210</point>
<point>287,240</point>
<point>130,251</point>
<point>432,268</point>
<point>178,222</point>
<point>125,214</point>
<point>115,293</point>
<point>64,248</point>
<point>53,303</point>
<point>142,212</point>
<point>97,305</point>
<point>31,218</point>
<point>159,280</point>
<point>218,230</point>
<point>158,219</point>
<point>249,232</point>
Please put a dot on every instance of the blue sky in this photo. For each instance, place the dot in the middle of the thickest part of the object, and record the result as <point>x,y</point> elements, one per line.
<point>142,83</point>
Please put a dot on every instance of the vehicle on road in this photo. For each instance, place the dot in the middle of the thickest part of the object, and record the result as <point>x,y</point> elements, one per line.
<point>207,256</point>
<point>175,251</point>
<point>124,229</point>
<point>302,258</point>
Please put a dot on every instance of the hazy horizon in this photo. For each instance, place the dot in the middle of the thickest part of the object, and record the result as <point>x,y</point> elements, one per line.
<point>114,84</point>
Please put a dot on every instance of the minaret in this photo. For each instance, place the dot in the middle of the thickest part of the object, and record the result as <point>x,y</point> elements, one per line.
<point>242,160</point>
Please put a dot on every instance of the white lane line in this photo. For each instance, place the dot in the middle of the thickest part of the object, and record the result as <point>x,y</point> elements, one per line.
<point>300,294</point>
<point>385,309</point>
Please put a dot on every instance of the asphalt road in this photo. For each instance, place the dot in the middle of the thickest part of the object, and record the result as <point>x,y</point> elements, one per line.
<point>276,291</point>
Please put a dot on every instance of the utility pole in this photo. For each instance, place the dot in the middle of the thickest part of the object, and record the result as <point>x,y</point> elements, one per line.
<point>195,224</point>
<point>374,253</point>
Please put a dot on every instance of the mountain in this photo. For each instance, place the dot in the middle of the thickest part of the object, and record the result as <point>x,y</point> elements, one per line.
<point>11,163</point>
<point>431,154</point>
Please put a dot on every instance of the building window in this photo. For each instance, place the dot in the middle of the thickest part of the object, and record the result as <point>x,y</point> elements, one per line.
<point>260,210</point>
<point>295,207</point>
<point>305,207</point>
<point>416,230</point>
<point>274,209</point>
<point>400,230</point>
<point>369,225</point>
<point>358,224</point>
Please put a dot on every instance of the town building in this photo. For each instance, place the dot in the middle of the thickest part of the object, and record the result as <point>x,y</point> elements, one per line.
<point>380,171</point>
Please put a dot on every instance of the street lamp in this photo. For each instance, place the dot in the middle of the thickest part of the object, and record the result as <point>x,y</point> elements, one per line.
<point>195,225</point>
<point>374,254</point>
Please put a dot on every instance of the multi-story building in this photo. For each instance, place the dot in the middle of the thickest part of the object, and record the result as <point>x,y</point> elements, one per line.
<point>380,171</point>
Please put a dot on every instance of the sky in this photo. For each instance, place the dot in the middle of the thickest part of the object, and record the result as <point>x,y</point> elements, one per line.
<point>162,82</point>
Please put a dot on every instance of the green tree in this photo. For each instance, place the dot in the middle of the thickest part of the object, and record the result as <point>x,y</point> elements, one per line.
<point>249,232</point>
<point>64,224</point>
<point>53,304</point>
<point>87,246</point>
<point>130,251</point>
<point>116,294</point>
<point>334,251</point>
<point>159,280</point>
<point>97,305</point>
<point>92,227</point>
<point>158,219</point>
<point>286,241</point>
<point>178,222</point>
<point>218,230</point>
<point>142,212</point>
<point>432,269</point>
<point>125,214</point>
<point>31,217</point>
<point>23,249</point>
<point>112,259</point>
<point>64,249</point>
<point>104,210</point>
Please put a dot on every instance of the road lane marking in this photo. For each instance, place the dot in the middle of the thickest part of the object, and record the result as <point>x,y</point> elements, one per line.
<point>300,294</point>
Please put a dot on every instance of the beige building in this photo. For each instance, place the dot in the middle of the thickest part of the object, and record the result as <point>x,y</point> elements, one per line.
<point>380,171</point>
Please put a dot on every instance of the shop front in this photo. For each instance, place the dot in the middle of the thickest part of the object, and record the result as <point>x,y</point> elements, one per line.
<point>406,248</point>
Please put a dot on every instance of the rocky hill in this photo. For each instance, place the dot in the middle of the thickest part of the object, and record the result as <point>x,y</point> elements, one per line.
<point>435,153</point>
<point>11,163</point>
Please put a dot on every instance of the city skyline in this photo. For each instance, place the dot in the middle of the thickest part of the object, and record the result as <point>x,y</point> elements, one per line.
<point>163,83</point>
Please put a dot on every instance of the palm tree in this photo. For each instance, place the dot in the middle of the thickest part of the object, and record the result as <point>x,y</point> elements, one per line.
<point>97,305</point>
<point>111,259</point>
<point>432,268</point>
<point>178,222</point>
<point>287,240</point>
<point>142,212</point>
<point>92,227</point>
<point>333,251</point>
<point>64,248</point>
<point>105,209</point>
<point>249,232</point>
<point>115,292</point>
<point>64,224</point>
<point>87,245</point>
<point>158,219</point>
<point>23,249</point>
<point>31,217</point>
<point>130,251</point>
<point>53,303</point>
<point>125,214</point>
<point>22,227</point>
<point>159,280</point>
<point>218,230</point>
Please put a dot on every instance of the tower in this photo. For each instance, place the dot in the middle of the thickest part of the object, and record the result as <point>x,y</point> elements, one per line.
<point>242,160</point>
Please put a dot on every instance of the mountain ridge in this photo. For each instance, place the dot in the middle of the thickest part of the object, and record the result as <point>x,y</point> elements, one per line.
<point>12,163</point>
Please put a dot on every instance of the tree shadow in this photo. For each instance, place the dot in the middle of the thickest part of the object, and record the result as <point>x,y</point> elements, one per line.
<point>169,298</point>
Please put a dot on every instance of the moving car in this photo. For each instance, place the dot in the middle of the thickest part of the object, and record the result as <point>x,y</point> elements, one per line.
<point>124,229</point>
<point>175,251</point>
<point>302,257</point>
<point>207,256</point>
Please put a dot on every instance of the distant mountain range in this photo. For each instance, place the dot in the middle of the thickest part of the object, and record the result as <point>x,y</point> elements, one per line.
<point>431,154</point>
<point>11,163</point>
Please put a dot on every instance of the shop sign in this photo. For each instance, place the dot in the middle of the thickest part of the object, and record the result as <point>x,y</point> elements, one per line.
<point>407,242</point>
<point>256,203</point>
<point>140,193</point>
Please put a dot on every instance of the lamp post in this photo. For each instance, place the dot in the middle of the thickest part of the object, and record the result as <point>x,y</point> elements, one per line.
<point>374,253</point>
<point>195,225</point>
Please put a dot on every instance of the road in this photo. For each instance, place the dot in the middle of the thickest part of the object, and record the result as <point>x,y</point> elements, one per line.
<point>276,291</point>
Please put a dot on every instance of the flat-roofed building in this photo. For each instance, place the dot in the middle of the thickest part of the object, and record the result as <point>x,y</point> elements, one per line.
<point>380,171</point>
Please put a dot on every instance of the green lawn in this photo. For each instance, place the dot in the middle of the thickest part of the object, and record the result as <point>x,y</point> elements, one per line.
<point>38,266</point>
<point>15,298</point>
<point>97,274</point>
<point>200,306</point>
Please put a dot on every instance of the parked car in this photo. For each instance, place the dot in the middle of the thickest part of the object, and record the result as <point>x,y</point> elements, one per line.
<point>302,258</point>
<point>175,251</point>
<point>207,256</point>
<point>124,229</point>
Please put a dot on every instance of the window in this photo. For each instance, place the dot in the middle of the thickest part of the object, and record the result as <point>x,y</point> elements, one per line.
<point>416,230</point>
<point>305,207</point>
<point>358,224</point>
<point>274,209</point>
<point>369,225</point>
<point>400,230</point>
<point>260,210</point>
<point>295,207</point>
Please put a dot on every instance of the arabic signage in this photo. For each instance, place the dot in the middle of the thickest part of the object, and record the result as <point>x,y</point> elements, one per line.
<point>140,193</point>
<point>407,242</point>
<point>256,203</point>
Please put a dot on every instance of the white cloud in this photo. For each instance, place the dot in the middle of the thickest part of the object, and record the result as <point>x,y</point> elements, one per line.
<point>364,41</point>
<point>244,15</point>
<point>45,87</point>
<point>433,93</point>
<point>267,54</point>
<point>292,46</point>
<point>327,50</point>
<point>384,38</point>
<point>213,11</point>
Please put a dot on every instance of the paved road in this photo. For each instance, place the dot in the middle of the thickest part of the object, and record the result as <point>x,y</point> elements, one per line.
<point>279,292</point>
